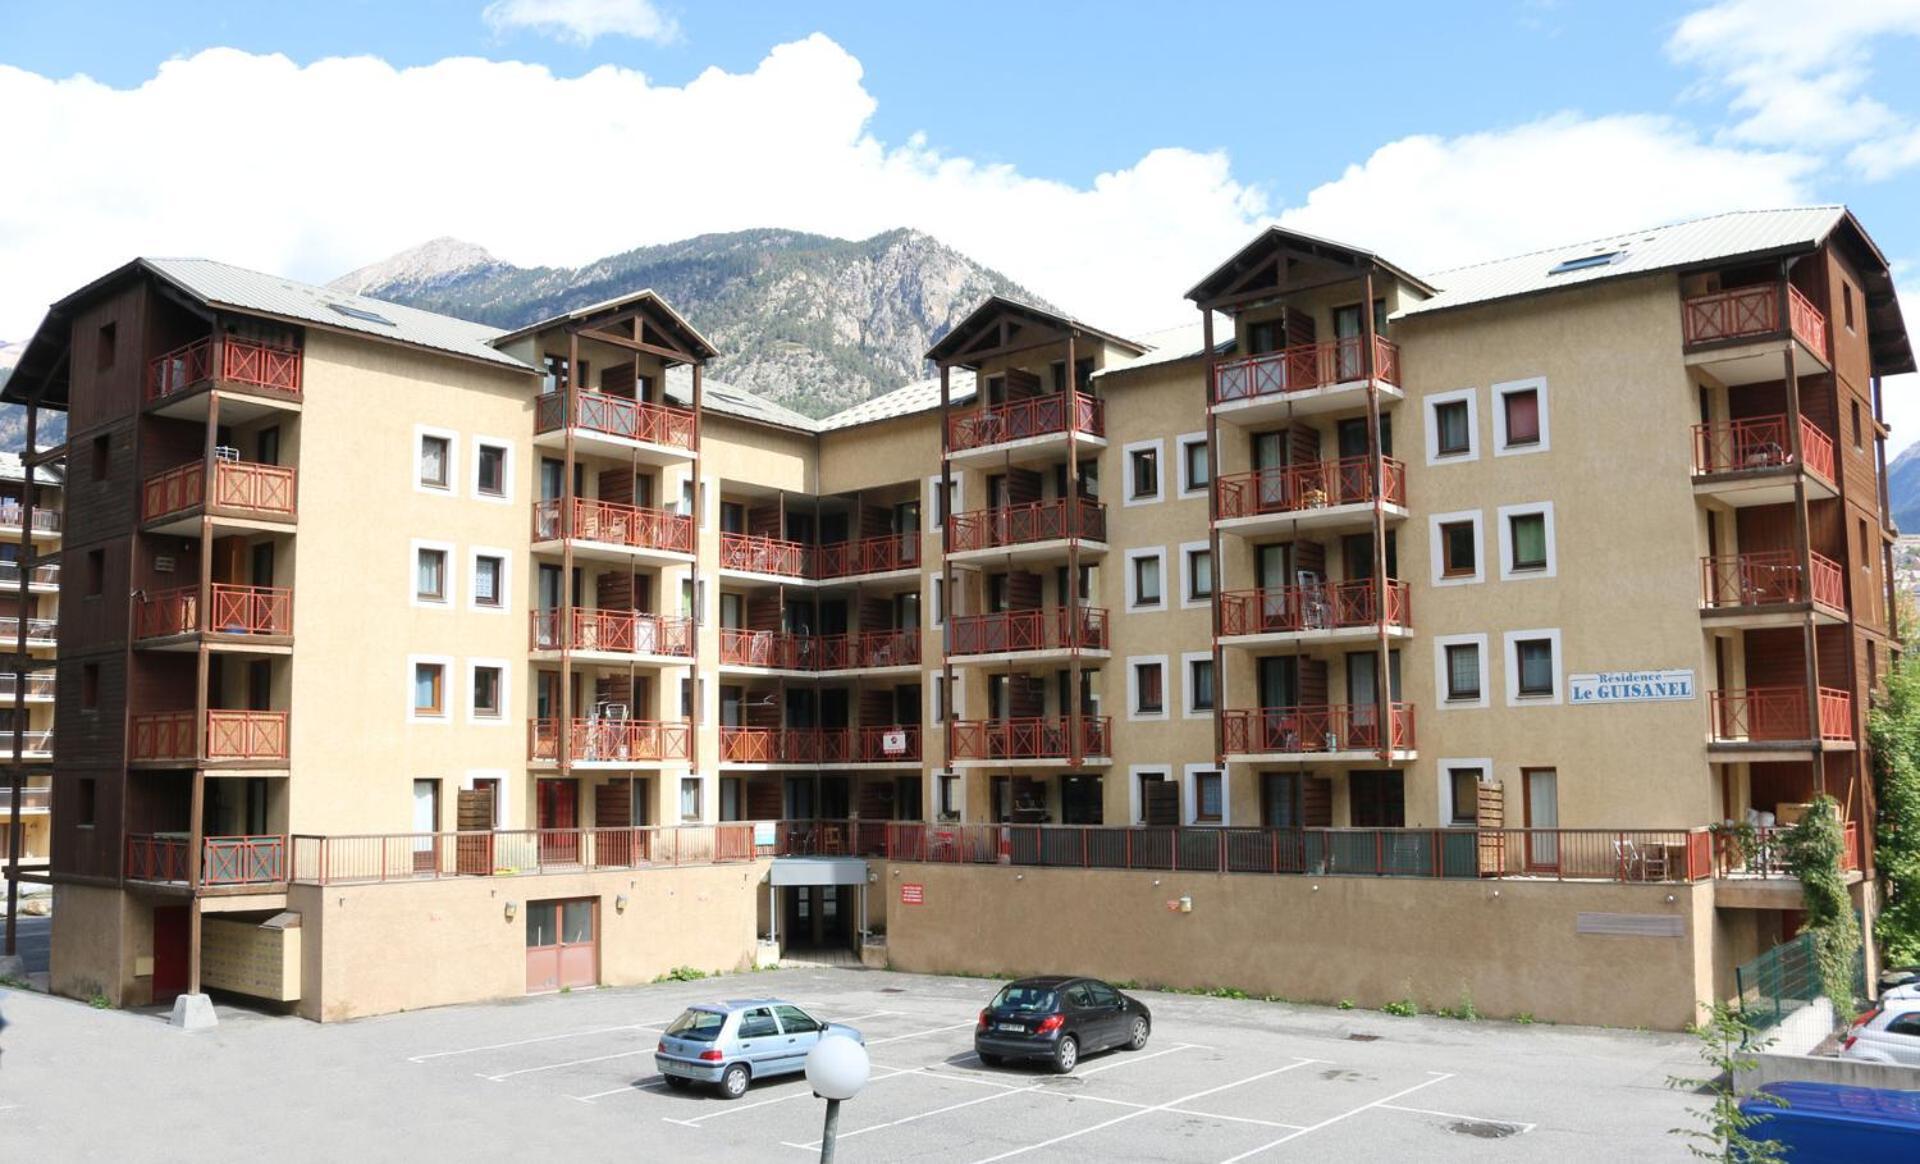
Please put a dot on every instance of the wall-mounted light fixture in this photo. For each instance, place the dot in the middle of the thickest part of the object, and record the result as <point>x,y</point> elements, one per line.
<point>620,903</point>
<point>512,910</point>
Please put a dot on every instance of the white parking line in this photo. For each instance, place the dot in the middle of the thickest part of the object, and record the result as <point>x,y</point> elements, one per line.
<point>1438,1076</point>
<point>650,1085</point>
<point>558,1066</point>
<point>1454,1115</point>
<point>891,1073</point>
<point>1133,1115</point>
<point>540,1039</point>
<point>920,1034</point>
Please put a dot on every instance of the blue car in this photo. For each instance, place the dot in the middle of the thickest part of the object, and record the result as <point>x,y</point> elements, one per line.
<point>1832,1123</point>
<point>730,1044</point>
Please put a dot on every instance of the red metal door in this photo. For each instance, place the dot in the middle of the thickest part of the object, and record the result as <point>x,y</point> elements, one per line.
<point>563,949</point>
<point>170,936</point>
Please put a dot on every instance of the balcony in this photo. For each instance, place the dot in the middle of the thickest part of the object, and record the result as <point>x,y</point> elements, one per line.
<point>1336,612</point>
<point>1739,332</point>
<point>616,425</point>
<point>42,579</point>
<point>1032,740</point>
<point>255,618</point>
<point>235,738</point>
<point>771,559</point>
<point>224,861</point>
<point>246,490</point>
<point>1317,494</point>
<point>1336,731</point>
<point>42,633</point>
<point>35,799</point>
<point>611,743</point>
<point>785,652</point>
<point>1305,378</point>
<point>609,531</point>
<point>46,522</point>
<point>34,745</point>
<point>1038,529</point>
<point>887,744</point>
<point>1011,635</point>
<point>774,746</point>
<point>39,687</point>
<point>268,374</point>
<point>373,858</point>
<point>616,635</point>
<point>1751,461</point>
<point>1758,589</point>
<point>1762,718</point>
<point>868,557</point>
<point>1025,430</point>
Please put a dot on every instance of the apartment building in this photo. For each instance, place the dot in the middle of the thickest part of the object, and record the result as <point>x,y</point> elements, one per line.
<point>30,595</point>
<point>658,672</point>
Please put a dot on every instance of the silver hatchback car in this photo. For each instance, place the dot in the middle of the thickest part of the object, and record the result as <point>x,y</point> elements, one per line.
<point>731,1044</point>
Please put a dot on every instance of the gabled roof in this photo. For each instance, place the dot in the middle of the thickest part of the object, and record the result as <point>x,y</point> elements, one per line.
<point>645,299</point>
<point>919,396</point>
<point>949,348</point>
<point>1274,239</point>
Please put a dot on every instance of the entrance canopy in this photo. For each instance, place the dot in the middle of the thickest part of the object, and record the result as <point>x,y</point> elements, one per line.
<point>818,871</point>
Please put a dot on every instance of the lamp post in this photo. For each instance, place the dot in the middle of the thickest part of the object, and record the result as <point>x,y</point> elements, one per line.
<point>837,1069</point>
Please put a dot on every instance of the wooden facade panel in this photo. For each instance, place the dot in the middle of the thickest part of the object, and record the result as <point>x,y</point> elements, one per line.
<point>160,681</point>
<point>90,737</point>
<point>1833,646</point>
<point>1776,657</point>
<point>1852,360</point>
<point>1765,528</point>
<point>95,581</point>
<point>81,848</point>
<point>107,359</point>
<point>100,508</point>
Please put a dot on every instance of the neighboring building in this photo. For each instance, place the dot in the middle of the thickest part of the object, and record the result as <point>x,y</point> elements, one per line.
<point>30,598</point>
<point>1182,605</point>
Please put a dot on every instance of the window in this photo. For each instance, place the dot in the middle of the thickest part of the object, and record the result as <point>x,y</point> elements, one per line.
<point>430,575</point>
<point>1454,548</point>
<point>1196,574</point>
<point>1199,668</point>
<point>1456,543</point>
<point>429,689</point>
<point>947,785</point>
<point>489,576</point>
<point>96,573</point>
<point>1196,465</point>
<point>1520,417</point>
<point>1209,798</point>
<point>1858,445</point>
<point>436,458</point>
<point>1529,541</point>
<point>1141,788</point>
<point>938,601</point>
<point>1536,666</point>
<point>90,687</point>
<point>1463,671</point>
<point>1147,687</point>
<point>1460,792</point>
<point>1143,579</point>
<point>490,471</point>
<point>1533,667</point>
<point>1450,425</point>
<point>102,457</point>
<point>86,809</point>
<point>488,698</point>
<point>103,351</point>
<point>690,798</point>
<point>1846,304</point>
<point>1143,472</point>
<point>1866,548</point>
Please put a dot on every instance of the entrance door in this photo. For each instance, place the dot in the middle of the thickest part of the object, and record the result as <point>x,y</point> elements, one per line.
<point>558,815</point>
<point>1377,800</point>
<point>1269,461</point>
<point>170,937</point>
<point>426,823</point>
<point>563,947</point>
<point>1542,789</point>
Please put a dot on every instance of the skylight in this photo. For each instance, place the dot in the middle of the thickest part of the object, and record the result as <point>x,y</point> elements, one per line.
<point>1586,262</point>
<point>362,313</point>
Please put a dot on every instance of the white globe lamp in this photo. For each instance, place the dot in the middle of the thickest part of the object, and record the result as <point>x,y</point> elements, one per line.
<point>837,1068</point>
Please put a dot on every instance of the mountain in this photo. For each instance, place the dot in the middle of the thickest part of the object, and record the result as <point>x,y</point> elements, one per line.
<point>13,418</point>
<point>1903,489</point>
<point>812,322</point>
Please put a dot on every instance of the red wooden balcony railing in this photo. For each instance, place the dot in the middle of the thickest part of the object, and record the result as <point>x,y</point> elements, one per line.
<point>1303,367</point>
<point>1017,420</point>
<point>12,513</point>
<point>231,735</point>
<point>764,555</point>
<point>253,860</point>
<point>609,522</point>
<point>899,551</point>
<point>884,648</point>
<point>1338,727</point>
<point>237,610</point>
<point>884,743</point>
<point>243,485</point>
<point>39,630</point>
<point>1033,738</point>
<point>774,745</point>
<point>1049,629</point>
<point>266,367</point>
<point>1757,714</point>
<point>625,631</point>
<point>615,740</point>
<point>1037,521</point>
<point>1767,579</point>
<point>1292,609</point>
<point>1314,485</point>
<point>785,651</point>
<point>1767,856</point>
<point>1754,313</point>
<point>1759,443</point>
<point>637,420</point>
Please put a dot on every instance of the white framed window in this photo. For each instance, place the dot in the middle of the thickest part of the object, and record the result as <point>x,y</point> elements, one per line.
<point>1138,777</point>
<point>431,566</point>
<point>949,797</point>
<point>1146,579</point>
<point>1206,795</point>
<point>436,459</point>
<point>492,470</point>
<point>1200,688</point>
<point>1460,782</point>
<point>1520,417</point>
<point>489,574</point>
<point>693,799</point>
<point>936,601</point>
<point>1460,675</point>
<point>1147,694</point>
<point>495,780</point>
<point>429,688</point>
<point>1533,667</point>
<point>1196,465</point>
<point>1143,462</point>
<point>488,699</point>
<point>1527,542</point>
<point>936,683</point>
<point>936,513</point>
<point>1453,427</point>
<point>1196,575</point>
<point>1457,548</point>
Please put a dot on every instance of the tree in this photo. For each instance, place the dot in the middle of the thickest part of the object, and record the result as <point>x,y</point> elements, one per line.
<point>1814,848</point>
<point>1894,731</point>
<point>1728,1045</point>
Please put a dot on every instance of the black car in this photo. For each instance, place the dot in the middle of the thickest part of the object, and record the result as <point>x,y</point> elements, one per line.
<point>1059,1020</point>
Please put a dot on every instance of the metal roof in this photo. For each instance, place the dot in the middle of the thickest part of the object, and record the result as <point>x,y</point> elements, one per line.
<point>13,468</point>
<point>221,285</point>
<point>919,396</point>
<point>994,305</point>
<point>1639,252</point>
<point>725,398</point>
<point>1276,237</point>
<point>608,306</point>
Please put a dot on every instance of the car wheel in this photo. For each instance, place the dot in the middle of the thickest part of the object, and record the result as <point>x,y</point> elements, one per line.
<point>991,1060</point>
<point>1137,1034</point>
<point>678,1082</point>
<point>1066,1056</point>
<point>734,1080</point>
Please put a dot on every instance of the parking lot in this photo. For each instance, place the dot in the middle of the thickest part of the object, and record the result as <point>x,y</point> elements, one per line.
<point>1220,1080</point>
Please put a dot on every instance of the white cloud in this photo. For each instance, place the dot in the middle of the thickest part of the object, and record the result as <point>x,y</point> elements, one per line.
<point>583,21</point>
<point>1900,395</point>
<point>1797,73</point>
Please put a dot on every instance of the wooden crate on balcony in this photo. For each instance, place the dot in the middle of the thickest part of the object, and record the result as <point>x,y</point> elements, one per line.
<point>1490,813</point>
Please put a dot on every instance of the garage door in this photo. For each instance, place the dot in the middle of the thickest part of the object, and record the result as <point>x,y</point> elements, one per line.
<point>563,944</point>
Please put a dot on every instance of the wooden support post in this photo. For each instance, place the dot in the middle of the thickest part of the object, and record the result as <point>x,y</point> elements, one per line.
<point>16,827</point>
<point>1213,547</point>
<point>569,501</point>
<point>944,510</point>
<point>1076,750</point>
<point>1377,472</point>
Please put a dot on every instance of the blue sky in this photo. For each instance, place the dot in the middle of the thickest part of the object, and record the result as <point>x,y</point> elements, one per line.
<point>1472,131</point>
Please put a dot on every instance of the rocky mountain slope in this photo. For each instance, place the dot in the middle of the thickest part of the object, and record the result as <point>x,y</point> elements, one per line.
<point>812,322</point>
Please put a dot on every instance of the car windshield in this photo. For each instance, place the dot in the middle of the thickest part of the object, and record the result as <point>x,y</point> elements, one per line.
<point>1037,999</point>
<point>700,1026</point>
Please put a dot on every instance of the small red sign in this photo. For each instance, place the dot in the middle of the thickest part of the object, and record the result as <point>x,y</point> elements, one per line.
<point>913,894</point>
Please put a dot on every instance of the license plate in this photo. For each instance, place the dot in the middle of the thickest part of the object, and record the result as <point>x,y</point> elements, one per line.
<point>1016,1028</point>
<point>669,1067</point>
